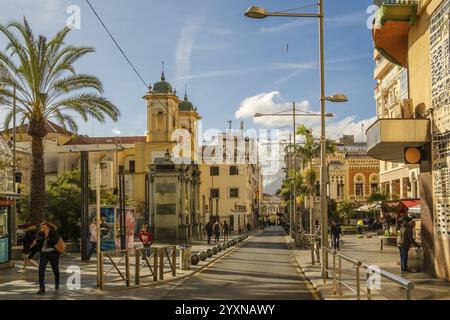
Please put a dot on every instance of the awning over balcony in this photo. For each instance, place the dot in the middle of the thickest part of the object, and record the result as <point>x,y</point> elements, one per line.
<point>387,138</point>
<point>390,33</point>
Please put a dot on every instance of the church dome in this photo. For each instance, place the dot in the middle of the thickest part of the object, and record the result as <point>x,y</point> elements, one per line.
<point>162,86</point>
<point>186,105</point>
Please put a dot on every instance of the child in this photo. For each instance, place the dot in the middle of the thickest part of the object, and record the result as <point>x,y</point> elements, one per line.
<point>146,238</point>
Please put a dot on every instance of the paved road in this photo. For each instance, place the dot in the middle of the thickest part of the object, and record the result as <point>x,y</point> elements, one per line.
<point>263,268</point>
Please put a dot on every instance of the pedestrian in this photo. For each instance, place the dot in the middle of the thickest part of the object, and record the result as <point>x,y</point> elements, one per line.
<point>249,227</point>
<point>146,239</point>
<point>30,232</point>
<point>359,228</point>
<point>209,230</point>
<point>216,229</point>
<point>335,233</point>
<point>226,230</point>
<point>405,240</point>
<point>50,245</point>
<point>92,238</point>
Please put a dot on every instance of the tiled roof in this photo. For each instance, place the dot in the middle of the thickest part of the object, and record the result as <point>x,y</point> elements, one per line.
<point>85,140</point>
<point>50,126</point>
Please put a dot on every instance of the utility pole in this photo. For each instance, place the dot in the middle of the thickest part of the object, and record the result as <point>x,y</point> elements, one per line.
<point>97,191</point>
<point>14,208</point>
<point>294,165</point>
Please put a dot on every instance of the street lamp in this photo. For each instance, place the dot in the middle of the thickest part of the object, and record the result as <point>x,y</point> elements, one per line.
<point>259,13</point>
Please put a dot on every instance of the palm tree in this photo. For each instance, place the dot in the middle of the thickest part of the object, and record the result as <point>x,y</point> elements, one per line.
<point>40,74</point>
<point>307,151</point>
<point>382,198</point>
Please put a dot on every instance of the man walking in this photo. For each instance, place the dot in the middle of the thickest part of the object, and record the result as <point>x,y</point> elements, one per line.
<point>405,240</point>
<point>335,233</point>
<point>209,230</point>
<point>216,228</point>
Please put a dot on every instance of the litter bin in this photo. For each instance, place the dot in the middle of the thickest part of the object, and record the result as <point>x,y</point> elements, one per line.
<point>185,257</point>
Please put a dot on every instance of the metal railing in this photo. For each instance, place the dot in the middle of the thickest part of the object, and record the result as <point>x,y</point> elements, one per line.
<point>338,281</point>
<point>167,254</point>
<point>143,259</point>
<point>124,275</point>
<point>381,2</point>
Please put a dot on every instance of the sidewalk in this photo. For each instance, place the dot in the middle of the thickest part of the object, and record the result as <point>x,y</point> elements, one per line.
<point>367,250</point>
<point>14,285</point>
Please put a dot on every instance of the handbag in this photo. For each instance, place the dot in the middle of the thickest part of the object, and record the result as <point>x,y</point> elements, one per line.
<point>60,246</point>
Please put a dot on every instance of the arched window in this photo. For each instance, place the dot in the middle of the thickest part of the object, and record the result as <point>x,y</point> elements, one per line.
<point>374,181</point>
<point>359,185</point>
<point>159,121</point>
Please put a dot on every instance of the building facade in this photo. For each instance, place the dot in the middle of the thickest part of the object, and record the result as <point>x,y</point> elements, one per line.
<point>231,184</point>
<point>415,35</point>
<point>399,180</point>
<point>353,175</point>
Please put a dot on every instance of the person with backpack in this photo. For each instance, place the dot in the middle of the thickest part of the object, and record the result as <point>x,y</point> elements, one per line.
<point>209,231</point>
<point>216,229</point>
<point>226,230</point>
<point>50,245</point>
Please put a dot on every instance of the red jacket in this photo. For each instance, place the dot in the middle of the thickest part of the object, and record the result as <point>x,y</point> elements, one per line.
<point>145,237</point>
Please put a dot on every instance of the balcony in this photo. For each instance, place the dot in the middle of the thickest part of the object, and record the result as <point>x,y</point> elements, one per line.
<point>392,23</point>
<point>387,138</point>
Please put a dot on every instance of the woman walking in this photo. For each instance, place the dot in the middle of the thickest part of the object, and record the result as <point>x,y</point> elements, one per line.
<point>92,238</point>
<point>27,240</point>
<point>47,239</point>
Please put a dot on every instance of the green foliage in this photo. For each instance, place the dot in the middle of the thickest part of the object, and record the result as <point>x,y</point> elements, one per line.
<point>345,209</point>
<point>63,204</point>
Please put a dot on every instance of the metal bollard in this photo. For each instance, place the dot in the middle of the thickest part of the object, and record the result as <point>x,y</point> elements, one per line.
<point>161,263</point>
<point>340,278</point>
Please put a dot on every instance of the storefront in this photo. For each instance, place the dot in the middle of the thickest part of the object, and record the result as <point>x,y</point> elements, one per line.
<point>7,202</point>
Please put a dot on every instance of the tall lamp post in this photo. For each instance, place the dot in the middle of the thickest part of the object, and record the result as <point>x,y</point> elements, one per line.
<point>260,13</point>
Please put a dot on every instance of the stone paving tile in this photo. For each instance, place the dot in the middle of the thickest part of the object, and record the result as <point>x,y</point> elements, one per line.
<point>14,285</point>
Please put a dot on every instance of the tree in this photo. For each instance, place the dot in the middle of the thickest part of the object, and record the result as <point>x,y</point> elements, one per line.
<point>42,73</point>
<point>309,150</point>
<point>63,204</point>
<point>345,210</point>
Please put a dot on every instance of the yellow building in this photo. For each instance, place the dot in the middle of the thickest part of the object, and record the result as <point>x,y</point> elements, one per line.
<point>231,181</point>
<point>415,35</point>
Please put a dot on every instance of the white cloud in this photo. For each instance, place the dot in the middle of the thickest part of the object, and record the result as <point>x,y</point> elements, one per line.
<point>184,48</point>
<point>270,103</point>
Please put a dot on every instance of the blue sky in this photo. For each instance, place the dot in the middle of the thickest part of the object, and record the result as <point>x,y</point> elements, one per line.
<point>232,65</point>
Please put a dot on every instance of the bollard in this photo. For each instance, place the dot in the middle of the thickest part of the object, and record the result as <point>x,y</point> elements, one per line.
<point>195,259</point>
<point>215,250</point>
<point>174,261</point>
<point>202,255</point>
<point>161,263</point>
<point>219,247</point>
<point>155,265</point>
<point>209,253</point>
<point>334,273</point>
<point>358,285</point>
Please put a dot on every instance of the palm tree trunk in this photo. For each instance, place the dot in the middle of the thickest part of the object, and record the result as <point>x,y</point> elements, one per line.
<point>37,189</point>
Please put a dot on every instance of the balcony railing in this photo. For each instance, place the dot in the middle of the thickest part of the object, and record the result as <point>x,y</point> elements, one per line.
<point>381,2</point>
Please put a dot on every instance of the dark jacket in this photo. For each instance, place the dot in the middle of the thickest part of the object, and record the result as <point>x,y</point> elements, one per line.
<point>226,228</point>
<point>28,238</point>
<point>52,240</point>
<point>209,228</point>
<point>405,237</point>
<point>336,231</point>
